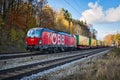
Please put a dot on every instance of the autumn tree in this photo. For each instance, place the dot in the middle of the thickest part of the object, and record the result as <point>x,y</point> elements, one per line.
<point>68,17</point>
<point>38,6</point>
<point>113,39</point>
<point>117,39</point>
<point>108,39</point>
<point>82,28</point>
<point>48,17</point>
<point>19,16</point>
<point>60,22</point>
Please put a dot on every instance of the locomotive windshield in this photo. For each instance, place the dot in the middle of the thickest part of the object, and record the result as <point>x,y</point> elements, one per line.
<point>34,33</point>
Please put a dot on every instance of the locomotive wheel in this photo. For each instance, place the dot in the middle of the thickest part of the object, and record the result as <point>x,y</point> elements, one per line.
<point>55,50</point>
<point>62,49</point>
<point>50,51</point>
<point>58,50</point>
<point>31,50</point>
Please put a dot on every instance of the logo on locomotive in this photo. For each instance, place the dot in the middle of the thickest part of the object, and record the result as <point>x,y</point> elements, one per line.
<point>57,39</point>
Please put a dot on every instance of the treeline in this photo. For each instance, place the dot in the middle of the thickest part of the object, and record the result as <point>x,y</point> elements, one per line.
<point>113,39</point>
<point>18,16</point>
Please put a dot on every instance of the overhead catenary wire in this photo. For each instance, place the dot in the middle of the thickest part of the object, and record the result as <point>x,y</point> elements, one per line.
<point>72,7</point>
<point>76,3</point>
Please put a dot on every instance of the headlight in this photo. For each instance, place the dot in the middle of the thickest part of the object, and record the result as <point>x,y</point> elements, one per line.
<point>40,42</point>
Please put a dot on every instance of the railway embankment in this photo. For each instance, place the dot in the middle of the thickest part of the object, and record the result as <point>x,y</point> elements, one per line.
<point>53,65</point>
<point>105,67</point>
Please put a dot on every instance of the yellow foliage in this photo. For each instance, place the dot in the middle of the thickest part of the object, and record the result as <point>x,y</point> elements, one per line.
<point>109,39</point>
<point>62,24</point>
<point>71,28</point>
<point>65,23</point>
<point>117,38</point>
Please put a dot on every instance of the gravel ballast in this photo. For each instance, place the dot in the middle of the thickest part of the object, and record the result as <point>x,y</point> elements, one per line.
<point>61,71</point>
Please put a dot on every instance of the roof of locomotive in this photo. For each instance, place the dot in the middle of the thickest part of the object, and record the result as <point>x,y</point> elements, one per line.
<point>50,30</point>
<point>44,29</point>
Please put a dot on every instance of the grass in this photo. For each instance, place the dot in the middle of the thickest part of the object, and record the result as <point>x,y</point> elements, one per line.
<point>106,68</point>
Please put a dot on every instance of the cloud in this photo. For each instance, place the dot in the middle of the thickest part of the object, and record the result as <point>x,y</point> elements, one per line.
<point>95,14</point>
<point>113,14</point>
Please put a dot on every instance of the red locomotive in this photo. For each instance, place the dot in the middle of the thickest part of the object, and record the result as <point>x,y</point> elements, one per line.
<point>46,39</point>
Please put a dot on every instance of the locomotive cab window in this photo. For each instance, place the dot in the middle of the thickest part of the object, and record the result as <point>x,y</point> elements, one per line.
<point>34,33</point>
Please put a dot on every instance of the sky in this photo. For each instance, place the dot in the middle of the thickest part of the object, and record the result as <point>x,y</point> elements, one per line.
<point>104,15</point>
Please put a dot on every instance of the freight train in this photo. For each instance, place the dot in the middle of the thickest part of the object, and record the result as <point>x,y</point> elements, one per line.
<point>44,39</point>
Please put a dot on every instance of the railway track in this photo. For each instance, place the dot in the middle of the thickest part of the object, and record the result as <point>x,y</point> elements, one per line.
<point>21,55</point>
<point>21,71</point>
<point>17,55</point>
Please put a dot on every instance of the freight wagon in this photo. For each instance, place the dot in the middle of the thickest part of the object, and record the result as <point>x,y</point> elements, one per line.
<point>92,43</point>
<point>82,42</point>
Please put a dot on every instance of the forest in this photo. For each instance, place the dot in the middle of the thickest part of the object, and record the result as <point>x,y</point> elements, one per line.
<point>18,16</point>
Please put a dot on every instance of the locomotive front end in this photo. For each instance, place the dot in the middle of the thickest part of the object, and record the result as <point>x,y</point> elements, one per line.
<point>33,39</point>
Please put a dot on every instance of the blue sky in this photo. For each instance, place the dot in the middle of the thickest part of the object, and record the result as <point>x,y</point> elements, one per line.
<point>104,15</point>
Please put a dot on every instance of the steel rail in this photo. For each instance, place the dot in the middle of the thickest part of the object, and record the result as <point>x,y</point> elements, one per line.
<point>21,71</point>
<point>21,55</point>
